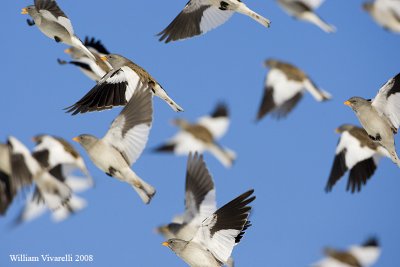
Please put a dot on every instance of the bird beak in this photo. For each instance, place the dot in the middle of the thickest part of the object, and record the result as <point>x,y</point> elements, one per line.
<point>337,130</point>
<point>24,11</point>
<point>67,51</point>
<point>104,58</point>
<point>76,139</point>
<point>165,244</point>
<point>347,103</point>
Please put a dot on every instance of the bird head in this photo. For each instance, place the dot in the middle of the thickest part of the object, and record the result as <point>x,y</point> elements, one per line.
<point>175,244</point>
<point>356,102</point>
<point>28,10</point>
<point>343,128</point>
<point>38,138</point>
<point>367,6</point>
<point>270,63</point>
<point>116,61</point>
<point>86,140</point>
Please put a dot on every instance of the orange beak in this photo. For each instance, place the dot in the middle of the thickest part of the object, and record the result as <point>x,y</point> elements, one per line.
<point>76,139</point>
<point>24,11</point>
<point>67,51</point>
<point>165,244</point>
<point>347,103</point>
<point>104,58</point>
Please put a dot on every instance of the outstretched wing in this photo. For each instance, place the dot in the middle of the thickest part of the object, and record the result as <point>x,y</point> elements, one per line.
<point>130,130</point>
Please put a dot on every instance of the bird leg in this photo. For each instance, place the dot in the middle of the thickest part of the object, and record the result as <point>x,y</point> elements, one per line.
<point>30,22</point>
<point>61,62</point>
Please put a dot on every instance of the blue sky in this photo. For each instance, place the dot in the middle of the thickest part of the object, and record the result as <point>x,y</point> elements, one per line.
<point>287,162</point>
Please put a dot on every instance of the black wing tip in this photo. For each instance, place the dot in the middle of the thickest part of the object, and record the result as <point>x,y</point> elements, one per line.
<point>165,148</point>
<point>371,242</point>
<point>96,44</point>
<point>221,110</point>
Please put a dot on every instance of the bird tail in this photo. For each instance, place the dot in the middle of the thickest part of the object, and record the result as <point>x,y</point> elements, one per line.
<point>54,192</point>
<point>242,8</point>
<point>74,205</point>
<point>76,42</point>
<point>160,92</point>
<point>318,94</point>
<point>315,19</point>
<point>144,190</point>
<point>224,155</point>
<point>230,262</point>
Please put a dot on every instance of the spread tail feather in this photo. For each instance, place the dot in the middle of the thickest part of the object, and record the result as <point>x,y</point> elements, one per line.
<point>76,42</point>
<point>318,94</point>
<point>316,20</point>
<point>242,8</point>
<point>161,93</point>
<point>224,155</point>
<point>144,190</point>
<point>74,205</point>
<point>54,192</point>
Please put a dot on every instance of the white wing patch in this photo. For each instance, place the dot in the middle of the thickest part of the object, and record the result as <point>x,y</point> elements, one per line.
<point>367,256</point>
<point>314,4</point>
<point>220,244</point>
<point>213,17</point>
<point>186,142</point>
<point>283,89</point>
<point>134,82</point>
<point>388,106</point>
<point>134,141</point>
<point>330,262</point>
<point>217,126</point>
<point>355,152</point>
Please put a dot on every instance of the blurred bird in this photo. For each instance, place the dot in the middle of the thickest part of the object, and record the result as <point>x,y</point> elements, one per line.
<point>202,136</point>
<point>61,159</point>
<point>284,87</point>
<point>355,152</point>
<point>118,86</point>
<point>213,242</point>
<point>364,255</point>
<point>199,201</point>
<point>386,13</point>
<point>199,16</point>
<point>7,187</point>
<point>304,10</point>
<point>53,22</point>
<point>124,142</point>
<point>95,70</point>
<point>25,170</point>
<point>380,117</point>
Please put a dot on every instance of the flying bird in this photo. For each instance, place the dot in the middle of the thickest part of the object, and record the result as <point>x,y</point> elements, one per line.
<point>124,142</point>
<point>364,255</point>
<point>380,117</point>
<point>357,153</point>
<point>386,13</point>
<point>202,136</point>
<point>25,170</point>
<point>95,70</point>
<point>284,87</point>
<point>7,187</point>
<point>213,242</point>
<point>61,159</point>
<point>199,201</point>
<point>200,16</point>
<point>304,10</point>
<point>117,87</point>
<point>53,22</point>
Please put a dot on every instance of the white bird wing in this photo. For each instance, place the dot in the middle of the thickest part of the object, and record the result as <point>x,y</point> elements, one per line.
<point>185,142</point>
<point>51,11</point>
<point>129,132</point>
<point>314,4</point>
<point>197,17</point>
<point>367,256</point>
<point>387,101</point>
<point>114,89</point>
<point>329,262</point>
<point>218,232</point>
<point>387,5</point>
<point>200,191</point>
<point>218,122</point>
